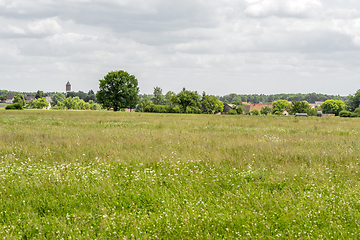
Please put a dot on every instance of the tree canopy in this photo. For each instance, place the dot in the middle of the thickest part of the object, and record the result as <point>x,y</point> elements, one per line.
<point>19,99</point>
<point>354,101</point>
<point>280,105</point>
<point>158,98</point>
<point>40,94</point>
<point>118,90</point>
<point>300,107</point>
<point>332,106</point>
<point>210,104</point>
<point>186,99</point>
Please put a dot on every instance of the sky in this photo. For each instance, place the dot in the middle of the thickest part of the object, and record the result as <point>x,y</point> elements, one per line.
<point>216,46</point>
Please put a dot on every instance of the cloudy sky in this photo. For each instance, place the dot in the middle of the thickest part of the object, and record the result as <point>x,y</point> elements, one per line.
<point>217,46</point>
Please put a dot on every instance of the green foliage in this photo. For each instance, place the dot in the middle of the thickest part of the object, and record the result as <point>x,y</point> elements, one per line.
<point>20,99</point>
<point>186,99</point>
<point>118,90</point>
<point>161,109</point>
<point>255,112</point>
<point>357,110</point>
<point>158,98</point>
<point>14,106</point>
<point>332,107</point>
<point>354,101</point>
<point>75,103</point>
<point>40,94</point>
<point>193,110</point>
<point>210,104</point>
<point>257,98</point>
<point>313,111</point>
<point>239,110</point>
<point>142,104</point>
<point>168,96</point>
<point>279,106</point>
<point>299,107</point>
<point>232,112</point>
<point>57,98</point>
<point>39,103</point>
<point>344,114</point>
<point>353,114</point>
<point>3,97</point>
<point>266,110</point>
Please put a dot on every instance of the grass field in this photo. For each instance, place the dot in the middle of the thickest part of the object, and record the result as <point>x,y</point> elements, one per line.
<point>104,175</point>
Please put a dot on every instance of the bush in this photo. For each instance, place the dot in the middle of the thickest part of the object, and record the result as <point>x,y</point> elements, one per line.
<point>357,111</point>
<point>193,110</point>
<point>232,112</point>
<point>239,110</point>
<point>255,112</point>
<point>16,106</point>
<point>162,109</point>
<point>353,114</point>
<point>344,114</point>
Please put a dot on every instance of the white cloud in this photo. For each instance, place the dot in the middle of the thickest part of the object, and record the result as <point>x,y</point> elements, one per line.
<point>47,26</point>
<point>221,46</point>
<point>293,8</point>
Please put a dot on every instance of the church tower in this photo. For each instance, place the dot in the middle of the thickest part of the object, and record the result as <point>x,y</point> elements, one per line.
<point>68,87</point>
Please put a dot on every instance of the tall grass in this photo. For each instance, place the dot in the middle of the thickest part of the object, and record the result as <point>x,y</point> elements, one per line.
<point>82,174</point>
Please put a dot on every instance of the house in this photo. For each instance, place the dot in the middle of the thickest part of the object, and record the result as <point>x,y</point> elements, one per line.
<point>129,110</point>
<point>228,107</point>
<point>259,106</point>
<point>10,98</point>
<point>29,98</point>
<point>318,103</point>
<point>285,112</point>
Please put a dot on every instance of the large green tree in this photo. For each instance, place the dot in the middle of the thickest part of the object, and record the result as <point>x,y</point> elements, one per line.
<point>168,97</point>
<point>210,104</point>
<point>354,101</point>
<point>158,98</point>
<point>56,98</point>
<point>118,90</point>
<point>332,106</point>
<point>19,99</point>
<point>279,106</point>
<point>40,94</point>
<point>186,99</point>
<point>300,107</point>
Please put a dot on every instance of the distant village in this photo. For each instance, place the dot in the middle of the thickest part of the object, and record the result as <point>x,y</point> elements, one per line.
<point>157,102</point>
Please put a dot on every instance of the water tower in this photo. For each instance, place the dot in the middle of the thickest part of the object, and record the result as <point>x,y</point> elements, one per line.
<point>68,87</point>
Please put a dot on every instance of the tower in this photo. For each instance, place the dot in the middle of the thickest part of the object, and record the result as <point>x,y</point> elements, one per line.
<point>68,87</point>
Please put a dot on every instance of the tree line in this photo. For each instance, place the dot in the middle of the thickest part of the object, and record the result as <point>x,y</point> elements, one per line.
<point>119,90</point>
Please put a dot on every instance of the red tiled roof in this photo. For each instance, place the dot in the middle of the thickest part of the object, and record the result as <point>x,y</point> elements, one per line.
<point>259,106</point>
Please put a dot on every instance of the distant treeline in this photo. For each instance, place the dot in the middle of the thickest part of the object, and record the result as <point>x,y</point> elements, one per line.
<point>39,94</point>
<point>257,98</point>
<point>84,96</point>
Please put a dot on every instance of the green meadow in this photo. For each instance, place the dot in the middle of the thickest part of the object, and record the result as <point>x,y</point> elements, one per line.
<point>111,175</point>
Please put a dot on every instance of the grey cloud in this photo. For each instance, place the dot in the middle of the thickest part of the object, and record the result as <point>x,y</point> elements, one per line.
<point>248,46</point>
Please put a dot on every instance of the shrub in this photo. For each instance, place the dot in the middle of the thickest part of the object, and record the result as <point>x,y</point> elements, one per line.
<point>16,106</point>
<point>255,112</point>
<point>357,111</point>
<point>353,114</point>
<point>193,110</point>
<point>232,112</point>
<point>344,114</point>
<point>239,110</point>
